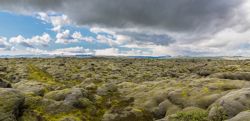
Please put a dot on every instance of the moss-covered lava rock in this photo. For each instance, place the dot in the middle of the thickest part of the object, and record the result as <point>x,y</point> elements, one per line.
<point>11,102</point>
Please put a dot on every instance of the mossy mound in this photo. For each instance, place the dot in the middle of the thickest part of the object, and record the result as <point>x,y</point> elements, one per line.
<point>231,104</point>
<point>11,102</point>
<point>190,114</point>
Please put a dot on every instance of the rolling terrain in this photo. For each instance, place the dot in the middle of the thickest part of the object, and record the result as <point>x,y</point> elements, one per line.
<point>124,89</point>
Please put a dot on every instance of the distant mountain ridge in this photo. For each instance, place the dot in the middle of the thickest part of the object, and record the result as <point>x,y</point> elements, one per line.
<point>78,56</point>
<point>122,56</point>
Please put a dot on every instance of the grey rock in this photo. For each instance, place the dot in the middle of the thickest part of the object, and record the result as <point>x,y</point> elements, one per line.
<point>243,116</point>
<point>164,119</point>
<point>232,103</point>
<point>161,110</point>
<point>58,95</point>
<point>107,89</point>
<point>206,101</point>
<point>177,98</point>
<point>32,87</point>
<point>127,114</point>
<point>75,97</point>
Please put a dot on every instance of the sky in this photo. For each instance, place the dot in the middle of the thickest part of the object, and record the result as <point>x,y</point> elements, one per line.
<point>125,27</point>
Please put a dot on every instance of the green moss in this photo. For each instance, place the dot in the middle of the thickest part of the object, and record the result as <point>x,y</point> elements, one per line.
<point>89,75</point>
<point>32,100</point>
<point>76,115</point>
<point>71,83</point>
<point>39,75</point>
<point>220,114</point>
<point>195,115</point>
<point>205,90</point>
<point>58,95</point>
<point>224,86</point>
<point>75,69</point>
<point>150,77</point>
<point>29,116</point>
<point>36,116</point>
<point>38,110</point>
<point>184,93</point>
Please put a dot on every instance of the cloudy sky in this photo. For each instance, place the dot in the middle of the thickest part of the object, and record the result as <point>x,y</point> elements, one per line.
<point>125,27</point>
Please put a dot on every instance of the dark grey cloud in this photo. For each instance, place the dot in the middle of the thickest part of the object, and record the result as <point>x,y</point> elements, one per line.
<point>170,15</point>
<point>2,46</point>
<point>25,44</point>
<point>144,38</point>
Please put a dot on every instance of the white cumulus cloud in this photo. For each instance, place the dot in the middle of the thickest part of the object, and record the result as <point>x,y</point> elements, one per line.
<point>4,43</point>
<point>30,42</point>
<point>57,21</point>
<point>78,36</point>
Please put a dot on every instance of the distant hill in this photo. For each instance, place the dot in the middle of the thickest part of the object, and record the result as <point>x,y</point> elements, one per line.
<point>78,56</point>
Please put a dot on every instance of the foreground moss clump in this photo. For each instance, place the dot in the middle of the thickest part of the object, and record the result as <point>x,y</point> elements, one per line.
<point>122,89</point>
<point>191,115</point>
<point>11,101</point>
